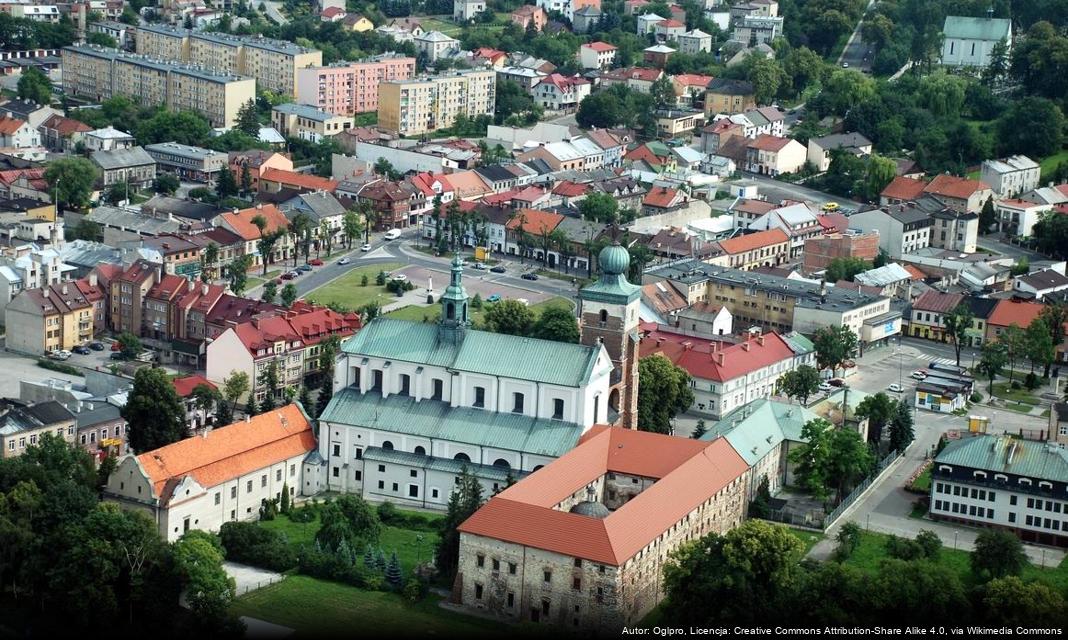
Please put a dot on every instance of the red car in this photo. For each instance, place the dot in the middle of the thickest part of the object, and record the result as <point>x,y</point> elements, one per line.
<point>115,346</point>
<point>316,262</point>
<point>287,276</point>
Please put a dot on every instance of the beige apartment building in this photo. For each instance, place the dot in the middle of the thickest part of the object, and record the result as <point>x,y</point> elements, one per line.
<point>58,316</point>
<point>273,63</point>
<point>422,105</point>
<point>97,73</point>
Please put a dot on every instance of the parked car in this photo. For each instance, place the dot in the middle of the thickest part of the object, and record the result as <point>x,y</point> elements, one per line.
<point>304,268</point>
<point>895,388</point>
<point>365,247</point>
<point>399,277</point>
<point>117,356</point>
<point>59,354</point>
<point>344,261</point>
<point>836,382</point>
<point>96,346</point>
<point>494,298</point>
<point>146,356</point>
<point>479,266</point>
<point>498,269</point>
<point>316,262</point>
<point>278,281</point>
<point>825,386</point>
<point>81,350</point>
<point>115,346</point>
<point>289,275</point>
<point>392,234</point>
<point>919,375</point>
<point>529,276</point>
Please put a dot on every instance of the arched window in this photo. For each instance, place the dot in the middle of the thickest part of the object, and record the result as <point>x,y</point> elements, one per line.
<point>420,451</point>
<point>387,445</point>
<point>450,312</point>
<point>604,315</point>
<point>502,463</point>
<point>464,315</point>
<point>462,457</point>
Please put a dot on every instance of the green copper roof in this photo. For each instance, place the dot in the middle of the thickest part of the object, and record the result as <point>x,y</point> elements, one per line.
<point>496,354</point>
<point>437,420</point>
<point>991,453</point>
<point>976,28</point>
<point>760,426</point>
<point>799,344</point>
<point>448,465</point>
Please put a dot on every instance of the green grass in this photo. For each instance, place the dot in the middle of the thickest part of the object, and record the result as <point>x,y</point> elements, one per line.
<point>1022,396</point>
<point>347,292</point>
<point>318,607</point>
<point>431,313</point>
<point>1049,163</point>
<point>449,28</point>
<point>923,481</point>
<point>566,277</point>
<point>367,119</point>
<point>872,551</point>
<point>809,538</point>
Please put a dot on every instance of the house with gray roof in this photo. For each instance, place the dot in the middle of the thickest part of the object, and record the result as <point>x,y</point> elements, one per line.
<point>902,228</point>
<point>22,425</point>
<point>819,149</point>
<point>414,402</point>
<point>321,207</point>
<point>134,166</point>
<point>970,42</point>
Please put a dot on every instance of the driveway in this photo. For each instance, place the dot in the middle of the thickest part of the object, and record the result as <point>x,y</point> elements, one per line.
<point>250,578</point>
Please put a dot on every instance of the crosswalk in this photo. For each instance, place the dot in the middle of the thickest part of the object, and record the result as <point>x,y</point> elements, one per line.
<point>927,356</point>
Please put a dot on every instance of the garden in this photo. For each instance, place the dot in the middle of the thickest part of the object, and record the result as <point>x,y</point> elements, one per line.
<point>356,289</point>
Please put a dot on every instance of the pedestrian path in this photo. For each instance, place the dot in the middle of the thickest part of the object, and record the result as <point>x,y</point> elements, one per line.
<point>932,358</point>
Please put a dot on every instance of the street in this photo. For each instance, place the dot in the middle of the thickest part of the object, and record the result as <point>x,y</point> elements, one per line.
<point>777,190</point>
<point>857,54</point>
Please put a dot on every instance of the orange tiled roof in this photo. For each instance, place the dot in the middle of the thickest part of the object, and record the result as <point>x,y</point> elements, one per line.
<point>915,273</point>
<point>902,188</point>
<point>534,221</point>
<point>766,142</point>
<point>600,47</point>
<point>241,221</point>
<point>231,452</point>
<point>751,241</point>
<point>1017,312</point>
<point>184,386</point>
<point>662,197</point>
<point>954,187</point>
<point>688,473</point>
<point>299,180</point>
<point>9,126</point>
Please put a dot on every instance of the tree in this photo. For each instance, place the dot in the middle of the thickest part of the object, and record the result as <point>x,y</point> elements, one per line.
<point>266,243</point>
<point>270,383</point>
<point>994,356</point>
<point>699,430</point>
<point>1038,344</point>
<point>1010,601</point>
<point>246,179</point>
<point>957,323</point>
<point>813,458</point>
<point>834,346</point>
<point>206,398</point>
<point>1055,315</point>
<point>558,324</point>
<point>662,91</point>
<point>72,180</point>
<point>1015,342</point>
<point>348,519</point>
<point>289,294</point>
<point>665,392</point>
<point>998,554</point>
<point>226,186</point>
<point>601,110</point>
<point>879,410</point>
<point>210,259</point>
<point>35,86</point>
<point>901,432</point>
<point>237,274</point>
<point>248,119</point>
<point>510,317</point>
<point>767,76</point>
<point>744,575</point>
<point>845,269</point>
<point>86,230</point>
<point>800,383</point>
<point>116,193</point>
<point>464,501</point>
<point>848,539</point>
<point>351,227</point>
<point>598,207</point>
<point>153,411</point>
<point>270,290</point>
<point>129,345</point>
<point>1031,125</point>
<point>879,173</point>
<point>198,557</point>
<point>987,216</point>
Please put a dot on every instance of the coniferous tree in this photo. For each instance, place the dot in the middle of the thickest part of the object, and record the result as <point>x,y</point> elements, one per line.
<point>369,557</point>
<point>271,382</point>
<point>305,400</point>
<point>901,434</point>
<point>226,185</point>
<point>380,561</point>
<point>251,408</point>
<point>284,504</point>
<point>699,430</point>
<point>393,571</point>
<point>464,501</point>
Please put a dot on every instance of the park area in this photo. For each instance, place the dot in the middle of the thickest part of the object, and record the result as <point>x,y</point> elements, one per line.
<point>349,291</point>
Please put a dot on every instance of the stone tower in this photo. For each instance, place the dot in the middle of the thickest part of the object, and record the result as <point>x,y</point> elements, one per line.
<point>608,315</point>
<point>455,318</point>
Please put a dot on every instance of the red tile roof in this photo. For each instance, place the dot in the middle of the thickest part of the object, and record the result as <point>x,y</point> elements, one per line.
<point>938,302</point>
<point>168,288</point>
<point>670,24</point>
<point>661,197</point>
<point>66,126</point>
<point>299,180</point>
<point>568,189</point>
<point>954,187</point>
<point>1015,312</point>
<point>534,221</point>
<point>693,80</point>
<point>751,241</point>
<point>9,126</point>
<point>184,386</point>
<point>765,142</point>
<point>687,472</point>
<point>915,273</point>
<point>241,221</point>
<point>902,188</point>
<point>230,452</point>
<point>758,207</point>
<point>330,12</point>
<point>600,47</point>
<point>715,360</point>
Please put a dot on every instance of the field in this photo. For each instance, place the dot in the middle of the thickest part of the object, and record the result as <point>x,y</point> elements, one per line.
<point>430,313</point>
<point>347,292</point>
<point>321,608</point>
<point>1049,164</point>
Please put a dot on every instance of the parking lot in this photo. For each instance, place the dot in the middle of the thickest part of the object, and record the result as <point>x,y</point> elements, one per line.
<point>484,283</point>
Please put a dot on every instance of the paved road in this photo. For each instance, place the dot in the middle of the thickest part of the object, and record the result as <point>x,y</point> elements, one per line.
<point>274,11</point>
<point>994,243</point>
<point>857,54</point>
<point>779,190</point>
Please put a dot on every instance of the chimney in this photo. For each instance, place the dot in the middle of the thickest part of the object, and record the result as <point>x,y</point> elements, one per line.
<point>204,289</point>
<point>64,288</point>
<point>92,279</point>
<point>45,291</point>
<point>248,418</point>
<point>760,340</point>
<point>719,357</point>
<point>745,346</point>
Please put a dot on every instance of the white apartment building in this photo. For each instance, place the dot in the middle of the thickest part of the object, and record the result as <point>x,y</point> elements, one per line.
<point>1012,176</point>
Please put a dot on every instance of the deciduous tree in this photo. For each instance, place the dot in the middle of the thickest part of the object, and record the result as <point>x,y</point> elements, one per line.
<point>957,323</point>
<point>800,383</point>
<point>153,411</point>
<point>665,392</point>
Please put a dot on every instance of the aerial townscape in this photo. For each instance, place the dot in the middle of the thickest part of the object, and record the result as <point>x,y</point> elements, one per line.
<point>484,318</point>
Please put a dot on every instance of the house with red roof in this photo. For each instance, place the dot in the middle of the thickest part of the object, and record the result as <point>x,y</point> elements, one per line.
<point>602,519</point>
<point>196,416</point>
<point>558,92</point>
<point>774,155</point>
<point>490,56</point>
<point>223,476</point>
<point>637,78</point>
<point>241,222</point>
<point>960,194</point>
<point>525,233</point>
<point>290,341</point>
<point>16,134</point>
<point>690,89</point>
<point>901,189</point>
<point>663,200</point>
<point>61,134</point>
<point>528,15</point>
<point>597,55</point>
<point>274,180</point>
<point>669,29</point>
<point>1011,312</point>
<point>767,248</point>
<point>929,312</point>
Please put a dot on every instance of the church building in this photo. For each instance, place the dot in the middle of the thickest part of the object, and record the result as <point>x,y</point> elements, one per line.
<point>414,403</point>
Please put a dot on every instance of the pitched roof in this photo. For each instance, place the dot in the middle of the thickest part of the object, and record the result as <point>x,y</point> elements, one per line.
<point>299,180</point>
<point>121,158</point>
<point>715,360</point>
<point>936,301</point>
<point>467,184</point>
<point>755,429</point>
<point>663,297</point>
<point>902,188</point>
<point>241,221</point>
<point>766,142</point>
<point>600,47</point>
<point>1004,454</point>
<point>692,80</point>
<point>1018,312</point>
<point>915,273</point>
<point>662,197</point>
<point>570,189</point>
<point>687,473</point>
<point>66,126</point>
<point>990,29</point>
<point>184,386</point>
<point>9,126</point>
<point>727,86</point>
<point>1045,279</point>
<point>230,452</point>
<point>751,241</point>
<point>534,221</point>
<point>954,187</point>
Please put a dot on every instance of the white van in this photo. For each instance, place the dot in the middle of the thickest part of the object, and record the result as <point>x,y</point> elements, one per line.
<point>392,234</point>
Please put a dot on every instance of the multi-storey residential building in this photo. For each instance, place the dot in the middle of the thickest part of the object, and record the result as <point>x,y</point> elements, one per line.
<point>567,7</point>
<point>797,221</point>
<point>561,93</point>
<point>1011,312</point>
<point>753,29</point>
<point>1010,177</point>
<point>771,155</point>
<point>307,122</point>
<point>1018,217</point>
<point>418,106</point>
<point>1005,482</point>
<point>189,162</point>
<point>273,63</point>
<point>63,134</point>
<point>598,526</point>
<point>960,194</point>
<point>57,316</point>
<point>929,314</point>
<point>18,134</point>
<point>223,476</point>
<point>435,45</point>
<point>22,425</point>
<point>128,292</point>
<point>955,230</point>
<point>107,139</point>
<point>819,149</point>
<point>729,96</point>
<point>257,162</point>
<point>527,15</point>
<point>134,167</point>
<point>902,228</point>
<point>767,248</point>
<point>465,10</point>
<point>96,74</point>
<point>348,88</point>
<point>241,223</point>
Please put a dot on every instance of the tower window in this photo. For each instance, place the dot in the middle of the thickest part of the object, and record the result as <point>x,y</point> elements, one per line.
<point>480,397</point>
<point>450,311</point>
<point>558,409</point>
<point>517,403</point>
<point>604,316</point>
<point>439,389</point>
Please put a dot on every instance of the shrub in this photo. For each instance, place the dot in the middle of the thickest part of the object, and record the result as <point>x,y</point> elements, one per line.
<point>364,280</point>
<point>476,302</point>
<point>1031,382</point>
<point>304,513</point>
<point>248,543</point>
<point>1016,384</point>
<point>45,363</point>
<point>976,397</point>
<point>903,548</point>
<point>414,590</point>
<point>380,279</point>
<point>848,540</point>
<point>387,513</point>
<point>929,542</point>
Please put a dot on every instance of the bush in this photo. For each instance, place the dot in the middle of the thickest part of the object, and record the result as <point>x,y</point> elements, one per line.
<point>387,513</point>
<point>268,509</point>
<point>903,548</point>
<point>52,365</point>
<point>1016,385</point>
<point>248,543</point>
<point>476,302</point>
<point>364,280</point>
<point>414,590</point>
<point>305,513</point>
<point>930,543</point>
<point>848,540</point>
<point>976,397</point>
<point>1031,382</point>
<point>380,279</point>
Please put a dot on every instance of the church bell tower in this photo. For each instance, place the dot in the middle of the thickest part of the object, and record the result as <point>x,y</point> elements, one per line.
<point>455,318</point>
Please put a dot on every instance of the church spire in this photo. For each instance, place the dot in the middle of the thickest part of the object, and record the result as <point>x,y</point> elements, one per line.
<point>454,310</point>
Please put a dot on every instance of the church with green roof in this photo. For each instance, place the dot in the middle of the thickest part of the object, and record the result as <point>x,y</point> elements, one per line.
<point>414,403</point>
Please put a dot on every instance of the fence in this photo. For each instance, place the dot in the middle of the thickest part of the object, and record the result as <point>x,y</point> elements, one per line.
<point>852,497</point>
<point>259,584</point>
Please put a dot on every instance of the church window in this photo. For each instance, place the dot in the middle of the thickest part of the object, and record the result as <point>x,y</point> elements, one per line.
<point>517,403</point>
<point>376,381</point>
<point>406,384</point>
<point>558,409</point>
<point>604,316</point>
<point>462,457</point>
<point>480,397</point>
<point>450,311</point>
<point>502,463</point>
<point>387,445</point>
<point>439,389</point>
<point>596,408</point>
<point>420,451</point>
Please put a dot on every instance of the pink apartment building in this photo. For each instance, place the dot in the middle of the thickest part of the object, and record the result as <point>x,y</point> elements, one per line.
<point>347,88</point>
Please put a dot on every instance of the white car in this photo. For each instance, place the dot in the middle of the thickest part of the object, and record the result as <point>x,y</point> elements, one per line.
<point>895,388</point>
<point>365,247</point>
<point>919,375</point>
<point>59,354</point>
<point>344,261</point>
<point>392,234</point>
<point>400,277</point>
<point>826,386</point>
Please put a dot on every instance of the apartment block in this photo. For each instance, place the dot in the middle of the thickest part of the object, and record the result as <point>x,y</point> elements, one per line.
<point>97,73</point>
<point>417,106</point>
<point>273,63</point>
<point>58,316</point>
<point>348,88</point>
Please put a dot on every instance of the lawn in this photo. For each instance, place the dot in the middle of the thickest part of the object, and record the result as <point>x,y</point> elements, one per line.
<point>810,538</point>
<point>449,28</point>
<point>1004,391</point>
<point>872,550</point>
<point>367,119</point>
<point>321,608</point>
<point>431,313</point>
<point>347,292</point>
<point>1049,163</point>
<point>923,481</point>
<point>412,547</point>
